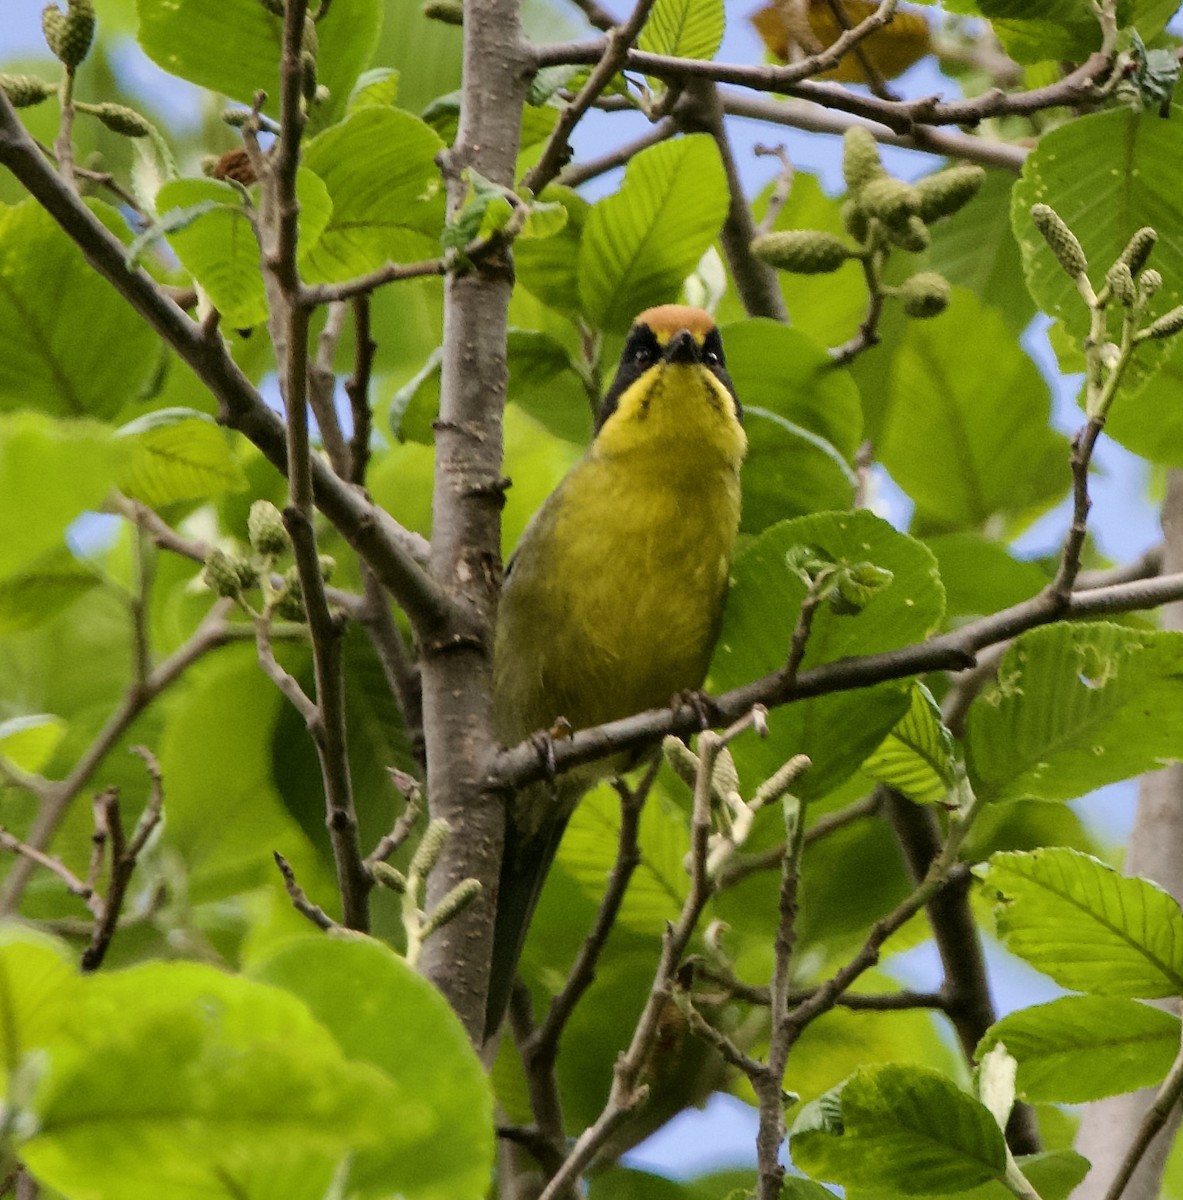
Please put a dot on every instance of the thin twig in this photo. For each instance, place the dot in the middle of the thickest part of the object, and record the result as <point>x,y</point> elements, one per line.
<point>743,865</point>
<point>903,116</point>
<point>628,1090</point>
<point>578,173</point>
<point>56,799</point>
<point>322,385</point>
<point>1165,1100</point>
<point>357,388</point>
<point>299,897</point>
<point>400,831</point>
<point>617,44</point>
<point>31,854</point>
<point>542,1049</point>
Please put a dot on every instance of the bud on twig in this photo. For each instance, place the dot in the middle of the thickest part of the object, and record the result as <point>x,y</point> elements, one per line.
<point>118,118</point>
<point>891,200</point>
<point>802,251</point>
<point>860,160</point>
<point>925,294</point>
<point>1166,326</point>
<point>428,851</point>
<point>912,236</point>
<point>227,574</point>
<point>452,905</point>
<point>70,33</point>
<point>942,194</point>
<point>1063,242</point>
<point>388,877</point>
<point>266,529</point>
<point>679,756</point>
<point>1138,249</point>
<point>1121,284</point>
<point>25,90</point>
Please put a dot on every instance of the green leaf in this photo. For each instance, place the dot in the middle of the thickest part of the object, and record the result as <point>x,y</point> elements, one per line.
<point>379,168</point>
<point>1075,707</point>
<point>225,815</point>
<point>42,589</point>
<point>905,1128</point>
<point>384,1013</point>
<point>837,731</point>
<point>233,46</point>
<point>803,421</point>
<point>218,246</point>
<point>549,268</point>
<point>1054,1174</point>
<point>1081,1048</point>
<point>659,885</point>
<point>194,1080</point>
<point>29,742</point>
<point>50,472</point>
<point>38,995</point>
<point>543,382</point>
<point>1033,31</point>
<point>376,88</point>
<point>69,346</point>
<point>684,28</point>
<point>916,757</point>
<point>178,454</point>
<point>1107,175</point>
<point>1150,421</point>
<point>641,243</point>
<point>1089,928</point>
<point>981,576</point>
<point>967,436</point>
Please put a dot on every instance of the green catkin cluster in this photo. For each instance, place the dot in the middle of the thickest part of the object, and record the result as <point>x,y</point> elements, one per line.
<point>880,213</point>
<point>26,90</point>
<point>69,34</point>
<point>802,251</point>
<point>228,575</point>
<point>118,118</point>
<point>1063,242</point>
<point>266,531</point>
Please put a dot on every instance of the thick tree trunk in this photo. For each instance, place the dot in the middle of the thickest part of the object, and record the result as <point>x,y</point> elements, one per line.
<point>466,521</point>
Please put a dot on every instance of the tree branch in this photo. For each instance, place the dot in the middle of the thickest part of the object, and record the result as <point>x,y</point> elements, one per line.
<point>390,550</point>
<point>952,651</point>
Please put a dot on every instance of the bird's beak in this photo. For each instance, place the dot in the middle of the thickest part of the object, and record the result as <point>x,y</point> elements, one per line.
<point>682,348</point>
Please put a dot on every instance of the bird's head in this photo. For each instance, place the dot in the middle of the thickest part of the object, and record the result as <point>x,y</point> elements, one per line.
<point>672,387</point>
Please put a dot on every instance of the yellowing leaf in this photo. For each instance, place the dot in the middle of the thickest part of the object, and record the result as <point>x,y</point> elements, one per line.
<point>790,35</point>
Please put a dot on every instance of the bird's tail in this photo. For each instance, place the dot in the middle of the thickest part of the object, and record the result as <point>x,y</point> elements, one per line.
<point>524,867</point>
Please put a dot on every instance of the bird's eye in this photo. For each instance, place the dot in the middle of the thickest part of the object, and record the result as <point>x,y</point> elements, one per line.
<point>642,356</point>
<point>712,358</point>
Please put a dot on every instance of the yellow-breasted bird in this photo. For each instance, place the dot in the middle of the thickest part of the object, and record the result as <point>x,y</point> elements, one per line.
<point>612,602</point>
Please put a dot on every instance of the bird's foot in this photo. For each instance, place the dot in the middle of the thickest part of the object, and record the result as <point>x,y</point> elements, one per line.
<point>699,703</point>
<point>544,744</point>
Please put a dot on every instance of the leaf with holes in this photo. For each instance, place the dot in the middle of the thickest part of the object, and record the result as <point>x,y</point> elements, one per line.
<point>1075,707</point>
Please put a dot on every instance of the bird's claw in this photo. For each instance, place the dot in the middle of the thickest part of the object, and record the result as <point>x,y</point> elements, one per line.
<point>544,745</point>
<point>699,703</point>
